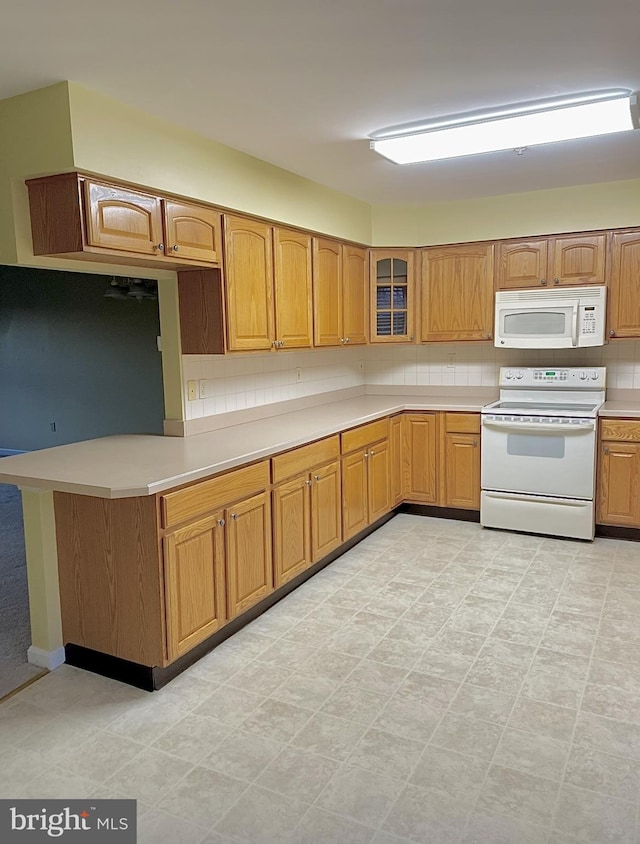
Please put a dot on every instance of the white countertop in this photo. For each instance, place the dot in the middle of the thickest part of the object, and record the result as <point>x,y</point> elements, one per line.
<point>624,408</point>
<point>136,464</point>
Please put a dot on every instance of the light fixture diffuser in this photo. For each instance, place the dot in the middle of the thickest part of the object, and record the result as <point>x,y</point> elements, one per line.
<point>513,127</point>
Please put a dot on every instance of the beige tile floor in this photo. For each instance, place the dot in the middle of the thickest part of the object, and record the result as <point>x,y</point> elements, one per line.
<point>438,683</point>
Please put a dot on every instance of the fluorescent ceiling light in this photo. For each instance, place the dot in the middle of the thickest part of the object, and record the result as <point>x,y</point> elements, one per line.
<point>514,127</point>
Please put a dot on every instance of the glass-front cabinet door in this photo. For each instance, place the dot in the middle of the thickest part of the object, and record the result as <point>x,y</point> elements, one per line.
<point>392,289</point>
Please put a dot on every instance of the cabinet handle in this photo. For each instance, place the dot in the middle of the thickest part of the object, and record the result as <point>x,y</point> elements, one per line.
<point>475,443</point>
<point>234,516</point>
<point>366,455</point>
<point>612,333</point>
<point>221,522</point>
<point>489,336</point>
<point>175,247</point>
<point>412,337</point>
<point>308,482</point>
<point>159,246</point>
<point>317,477</point>
<point>606,449</point>
<point>556,281</point>
<point>346,339</point>
<point>372,452</point>
<point>543,282</point>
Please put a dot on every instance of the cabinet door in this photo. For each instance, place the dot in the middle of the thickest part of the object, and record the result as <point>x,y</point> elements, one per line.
<point>457,293</point>
<point>619,484</point>
<point>624,302</point>
<point>462,471</point>
<point>327,292</point>
<point>292,285</point>
<point>326,515</point>
<point>291,529</point>
<point>249,284</point>
<point>578,260</point>
<point>522,263</point>
<point>118,218</point>
<point>249,569</point>
<point>395,447</point>
<point>355,295</point>
<point>354,494</point>
<point>192,232</point>
<point>194,584</point>
<point>420,457</point>
<point>392,306</point>
<point>379,480</point>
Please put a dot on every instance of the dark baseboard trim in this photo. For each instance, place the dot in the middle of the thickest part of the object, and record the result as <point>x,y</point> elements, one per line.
<point>440,512</point>
<point>152,678</point>
<point>618,532</point>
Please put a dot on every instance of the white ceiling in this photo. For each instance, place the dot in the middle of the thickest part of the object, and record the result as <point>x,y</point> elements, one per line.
<point>301,84</point>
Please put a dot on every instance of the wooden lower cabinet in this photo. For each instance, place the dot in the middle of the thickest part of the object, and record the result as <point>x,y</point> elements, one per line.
<point>420,457</point>
<point>619,473</point>
<point>461,469</point>
<point>291,529</point>
<point>395,458</point>
<point>355,510</point>
<point>326,522</point>
<point>194,572</point>
<point>378,480</point>
<point>249,565</point>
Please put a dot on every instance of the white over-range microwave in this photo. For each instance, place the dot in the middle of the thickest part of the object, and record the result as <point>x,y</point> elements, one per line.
<point>562,318</point>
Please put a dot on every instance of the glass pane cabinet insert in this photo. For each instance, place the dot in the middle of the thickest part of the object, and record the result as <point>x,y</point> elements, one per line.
<point>392,297</point>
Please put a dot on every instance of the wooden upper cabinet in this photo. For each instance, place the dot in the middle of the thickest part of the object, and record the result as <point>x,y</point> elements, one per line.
<point>457,293</point>
<point>392,292</point>
<point>123,219</point>
<point>355,295</point>
<point>192,232</point>
<point>327,292</point>
<point>578,260</point>
<point>340,293</point>
<point>292,288</point>
<point>522,263</point>
<point>249,284</point>
<point>624,290</point>
<point>552,261</point>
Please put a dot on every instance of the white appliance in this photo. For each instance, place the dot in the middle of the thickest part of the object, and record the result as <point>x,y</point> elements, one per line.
<point>539,451</point>
<point>560,318</point>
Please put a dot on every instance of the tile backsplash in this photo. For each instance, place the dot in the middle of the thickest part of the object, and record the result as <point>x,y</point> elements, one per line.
<point>240,381</point>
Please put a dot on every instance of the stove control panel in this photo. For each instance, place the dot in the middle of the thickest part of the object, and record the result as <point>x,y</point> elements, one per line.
<point>563,378</point>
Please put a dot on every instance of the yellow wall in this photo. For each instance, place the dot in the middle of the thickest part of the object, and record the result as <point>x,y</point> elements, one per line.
<point>599,206</point>
<point>122,142</point>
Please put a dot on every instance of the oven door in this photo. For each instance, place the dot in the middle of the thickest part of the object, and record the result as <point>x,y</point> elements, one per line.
<point>541,458</point>
<point>543,325</point>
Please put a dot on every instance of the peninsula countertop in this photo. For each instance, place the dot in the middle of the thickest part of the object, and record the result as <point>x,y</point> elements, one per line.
<point>131,465</point>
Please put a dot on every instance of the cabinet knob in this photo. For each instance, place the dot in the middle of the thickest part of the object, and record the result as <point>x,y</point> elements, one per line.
<point>280,343</point>
<point>234,516</point>
<point>221,522</point>
<point>543,282</point>
<point>475,443</point>
<point>489,336</point>
<point>308,482</point>
<point>346,339</point>
<point>366,455</point>
<point>606,449</point>
<point>556,281</point>
<point>159,247</point>
<point>612,333</point>
<point>317,477</point>
<point>372,452</point>
<point>175,247</point>
<point>412,337</point>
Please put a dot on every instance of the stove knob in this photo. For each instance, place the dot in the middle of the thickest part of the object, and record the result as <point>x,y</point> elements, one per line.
<point>594,375</point>
<point>583,375</point>
<point>519,375</point>
<point>508,375</point>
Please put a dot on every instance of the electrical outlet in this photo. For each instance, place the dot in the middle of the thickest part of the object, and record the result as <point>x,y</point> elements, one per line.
<point>361,365</point>
<point>451,357</point>
<point>298,374</point>
<point>192,390</point>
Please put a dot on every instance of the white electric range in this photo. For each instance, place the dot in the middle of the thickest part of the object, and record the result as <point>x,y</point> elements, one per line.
<point>539,451</point>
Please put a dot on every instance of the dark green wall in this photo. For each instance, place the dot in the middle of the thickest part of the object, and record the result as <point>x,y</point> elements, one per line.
<point>70,356</point>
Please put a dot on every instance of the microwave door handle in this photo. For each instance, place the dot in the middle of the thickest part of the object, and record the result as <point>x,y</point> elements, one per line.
<point>574,325</point>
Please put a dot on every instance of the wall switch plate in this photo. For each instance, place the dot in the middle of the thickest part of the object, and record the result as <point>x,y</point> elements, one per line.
<point>361,365</point>
<point>298,374</point>
<point>192,390</point>
<point>451,358</point>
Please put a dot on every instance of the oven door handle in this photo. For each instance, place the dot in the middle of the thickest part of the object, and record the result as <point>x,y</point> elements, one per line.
<point>541,427</point>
